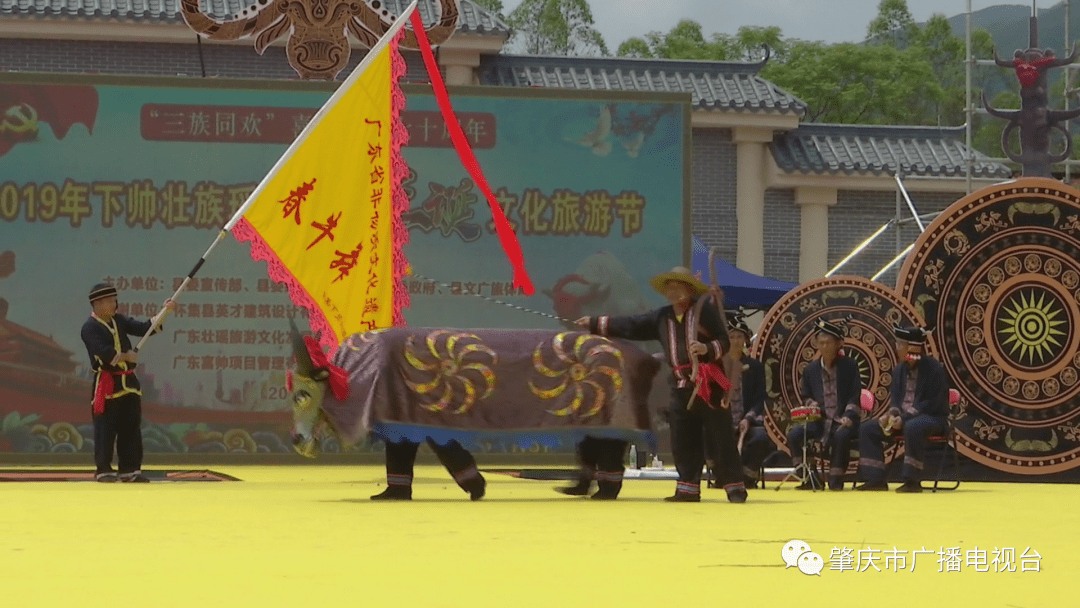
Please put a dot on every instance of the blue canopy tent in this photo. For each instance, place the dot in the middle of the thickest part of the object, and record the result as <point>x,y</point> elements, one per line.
<point>742,289</point>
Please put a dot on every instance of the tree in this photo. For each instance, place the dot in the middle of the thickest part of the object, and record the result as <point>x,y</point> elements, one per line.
<point>684,41</point>
<point>749,40</point>
<point>635,47</point>
<point>853,83</point>
<point>903,76</point>
<point>987,130</point>
<point>555,27</point>
<point>944,51</point>
<point>494,7</point>
<point>893,24</point>
<point>687,41</point>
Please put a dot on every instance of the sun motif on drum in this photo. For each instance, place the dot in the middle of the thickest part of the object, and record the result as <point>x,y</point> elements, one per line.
<point>1031,329</point>
<point>1007,319</point>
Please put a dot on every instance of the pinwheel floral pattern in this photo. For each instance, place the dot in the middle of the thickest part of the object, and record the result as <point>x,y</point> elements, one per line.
<point>590,370</point>
<point>450,368</point>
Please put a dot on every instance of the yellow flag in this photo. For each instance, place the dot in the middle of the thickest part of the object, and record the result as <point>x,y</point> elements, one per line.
<point>325,218</point>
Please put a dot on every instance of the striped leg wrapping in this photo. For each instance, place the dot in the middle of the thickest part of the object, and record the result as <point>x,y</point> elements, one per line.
<point>399,480</point>
<point>683,487</point>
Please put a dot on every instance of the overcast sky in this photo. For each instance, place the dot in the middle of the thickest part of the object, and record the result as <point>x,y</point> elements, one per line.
<point>828,20</point>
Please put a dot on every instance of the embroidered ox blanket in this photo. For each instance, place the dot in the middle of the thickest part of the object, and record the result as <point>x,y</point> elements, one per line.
<point>454,384</point>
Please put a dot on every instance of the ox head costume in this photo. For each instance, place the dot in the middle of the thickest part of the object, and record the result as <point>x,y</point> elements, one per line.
<point>307,384</point>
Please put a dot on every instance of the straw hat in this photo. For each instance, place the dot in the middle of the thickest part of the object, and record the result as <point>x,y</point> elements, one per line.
<point>681,274</point>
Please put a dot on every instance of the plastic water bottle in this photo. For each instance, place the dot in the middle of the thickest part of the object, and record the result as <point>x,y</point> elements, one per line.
<point>633,456</point>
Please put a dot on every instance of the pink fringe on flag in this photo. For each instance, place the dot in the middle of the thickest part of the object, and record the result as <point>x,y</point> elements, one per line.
<point>261,252</point>
<point>399,170</point>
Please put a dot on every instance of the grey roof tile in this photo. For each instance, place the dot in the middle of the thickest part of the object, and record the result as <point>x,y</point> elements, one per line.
<point>473,18</point>
<point>711,84</point>
<point>927,151</point>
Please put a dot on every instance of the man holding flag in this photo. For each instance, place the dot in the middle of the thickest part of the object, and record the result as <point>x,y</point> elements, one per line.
<point>117,399</point>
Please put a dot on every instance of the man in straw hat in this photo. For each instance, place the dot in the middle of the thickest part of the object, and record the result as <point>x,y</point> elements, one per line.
<point>694,339</point>
<point>747,399</point>
<point>117,398</point>
<point>832,384</point>
<point>920,409</point>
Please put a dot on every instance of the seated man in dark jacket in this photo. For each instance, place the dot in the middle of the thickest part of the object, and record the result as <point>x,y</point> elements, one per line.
<point>920,409</point>
<point>831,383</point>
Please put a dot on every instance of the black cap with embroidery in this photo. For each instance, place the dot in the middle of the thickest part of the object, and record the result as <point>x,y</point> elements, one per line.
<point>102,290</point>
<point>912,335</point>
<point>736,321</point>
<point>836,327</point>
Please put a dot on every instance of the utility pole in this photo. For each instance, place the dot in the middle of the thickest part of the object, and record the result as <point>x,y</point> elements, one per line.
<point>968,109</point>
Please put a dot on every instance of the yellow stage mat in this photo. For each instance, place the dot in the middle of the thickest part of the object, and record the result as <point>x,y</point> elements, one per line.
<point>309,536</point>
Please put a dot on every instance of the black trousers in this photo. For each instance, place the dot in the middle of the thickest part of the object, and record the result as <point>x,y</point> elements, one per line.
<point>602,459</point>
<point>400,458</point>
<point>699,433</point>
<point>916,433</point>
<point>837,444</point>
<point>120,424</point>
<point>756,448</point>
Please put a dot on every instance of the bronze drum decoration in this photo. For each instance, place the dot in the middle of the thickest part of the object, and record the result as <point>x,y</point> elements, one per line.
<point>785,343</point>
<point>316,31</point>
<point>998,274</point>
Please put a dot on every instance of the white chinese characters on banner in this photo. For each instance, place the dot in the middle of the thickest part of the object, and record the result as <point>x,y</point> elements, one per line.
<point>948,559</point>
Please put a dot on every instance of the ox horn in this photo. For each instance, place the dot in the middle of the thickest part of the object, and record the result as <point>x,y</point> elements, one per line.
<point>203,24</point>
<point>304,366</point>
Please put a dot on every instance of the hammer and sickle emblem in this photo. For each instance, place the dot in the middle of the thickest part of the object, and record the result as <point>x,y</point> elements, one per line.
<point>19,118</point>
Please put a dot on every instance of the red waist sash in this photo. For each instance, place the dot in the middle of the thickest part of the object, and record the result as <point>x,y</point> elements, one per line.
<point>106,384</point>
<point>708,374</point>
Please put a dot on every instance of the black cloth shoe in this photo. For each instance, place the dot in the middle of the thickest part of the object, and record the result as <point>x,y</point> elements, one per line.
<point>140,478</point>
<point>683,497</point>
<point>106,477</point>
<point>394,493</point>
<point>605,495</point>
<point>737,495</point>
<point>476,488</point>
<point>910,487</point>
<point>581,488</point>
<point>873,487</point>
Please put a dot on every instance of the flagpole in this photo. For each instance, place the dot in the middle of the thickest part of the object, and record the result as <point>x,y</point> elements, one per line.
<point>399,23</point>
